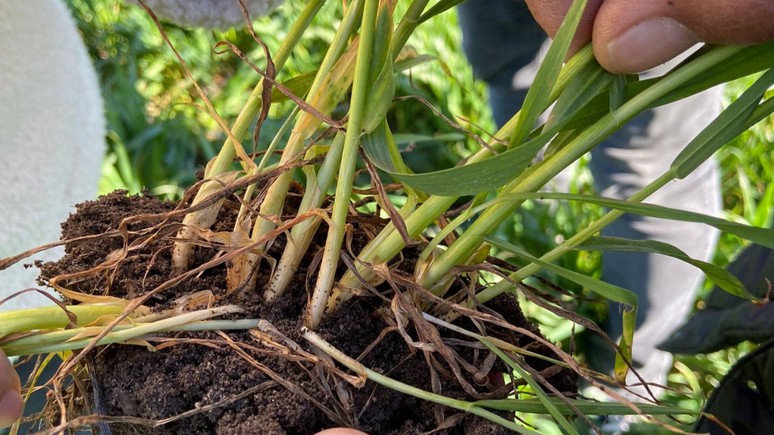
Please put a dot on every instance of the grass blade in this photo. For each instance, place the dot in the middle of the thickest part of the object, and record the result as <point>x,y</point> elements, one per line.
<point>470,179</point>
<point>536,388</point>
<point>606,290</point>
<point>761,236</point>
<point>537,98</point>
<point>716,274</point>
<point>535,406</point>
<point>380,379</point>
<point>729,124</point>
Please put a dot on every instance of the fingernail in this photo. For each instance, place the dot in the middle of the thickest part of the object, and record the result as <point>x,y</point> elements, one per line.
<point>648,45</point>
<point>11,406</point>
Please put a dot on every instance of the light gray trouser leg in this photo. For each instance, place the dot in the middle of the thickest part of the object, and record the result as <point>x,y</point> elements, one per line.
<point>665,286</point>
<point>502,42</point>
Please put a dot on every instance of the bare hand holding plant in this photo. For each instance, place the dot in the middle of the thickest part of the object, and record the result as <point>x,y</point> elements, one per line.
<point>631,36</point>
<point>10,396</point>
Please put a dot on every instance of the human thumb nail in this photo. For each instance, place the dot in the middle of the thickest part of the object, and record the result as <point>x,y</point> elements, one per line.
<point>341,431</point>
<point>648,44</point>
<point>11,406</point>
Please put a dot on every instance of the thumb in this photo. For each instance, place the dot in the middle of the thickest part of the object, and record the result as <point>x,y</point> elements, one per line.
<point>11,404</point>
<point>341,431</point>
<point>632,35</point>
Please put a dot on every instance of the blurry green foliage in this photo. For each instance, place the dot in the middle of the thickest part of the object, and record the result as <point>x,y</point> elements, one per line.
<point>160,135</point>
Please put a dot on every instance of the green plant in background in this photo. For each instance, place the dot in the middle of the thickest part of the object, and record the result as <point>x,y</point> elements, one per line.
<point>747,172</point>
<point>159,137</point>
<point>359,71</point>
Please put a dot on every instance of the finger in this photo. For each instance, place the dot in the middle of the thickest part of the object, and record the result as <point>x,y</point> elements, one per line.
<point>11,404</point>
<point>550,13</point>
<point>632,35</point>
<point>341,431</point>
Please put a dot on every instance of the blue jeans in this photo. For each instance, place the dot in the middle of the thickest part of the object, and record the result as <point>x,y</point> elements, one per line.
<point>503,44</point>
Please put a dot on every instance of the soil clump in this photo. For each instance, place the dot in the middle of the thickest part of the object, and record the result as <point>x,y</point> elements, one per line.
<point>237,383</point>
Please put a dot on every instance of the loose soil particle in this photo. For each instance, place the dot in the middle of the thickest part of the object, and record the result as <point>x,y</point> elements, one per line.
<point>187,376</point>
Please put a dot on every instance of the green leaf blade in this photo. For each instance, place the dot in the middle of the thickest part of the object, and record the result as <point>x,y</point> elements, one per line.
<point>718,275</point>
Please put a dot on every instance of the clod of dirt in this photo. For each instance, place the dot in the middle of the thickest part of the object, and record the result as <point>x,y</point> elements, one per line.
<point>238,382</point>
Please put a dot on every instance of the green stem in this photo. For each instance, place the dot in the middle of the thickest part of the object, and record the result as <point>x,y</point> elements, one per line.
<point>470,240</point>
<point>317,185</point>
<point>291,257</point>
<point>346,176</point>
<point>406,26</point>
<point>245,207</point>
<point>302,234</point>
<point>380,379</point>
<point>222,162</point>
<point>389,242</point>
<point>241,272</point>
<point>245,118</point>
<point>54,317</point>
<point>275,197</point>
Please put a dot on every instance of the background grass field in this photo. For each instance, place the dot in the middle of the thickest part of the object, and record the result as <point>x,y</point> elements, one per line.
<point>158,136</point>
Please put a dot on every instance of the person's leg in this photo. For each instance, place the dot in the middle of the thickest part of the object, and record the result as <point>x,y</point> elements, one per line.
<point>52,135</point>
<point>499,37</point>
<point>502,43</point>
<point>666,287</point>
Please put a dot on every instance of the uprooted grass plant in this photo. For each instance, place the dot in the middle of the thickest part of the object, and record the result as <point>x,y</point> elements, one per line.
<point>338,135</point>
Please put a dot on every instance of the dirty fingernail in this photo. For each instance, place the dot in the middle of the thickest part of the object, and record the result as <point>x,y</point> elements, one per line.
<point>648,45</point>
<point>11,406</point>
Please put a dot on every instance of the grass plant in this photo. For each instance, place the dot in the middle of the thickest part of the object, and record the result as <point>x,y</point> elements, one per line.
<point>327,84</point>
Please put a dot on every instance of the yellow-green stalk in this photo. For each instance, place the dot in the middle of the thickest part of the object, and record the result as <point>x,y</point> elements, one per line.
<point>330,86</point>
<point>77,338</point>
<point>317,184</point>
<point>222,163</point>
<point>367,68</point>
<point>389,242</point>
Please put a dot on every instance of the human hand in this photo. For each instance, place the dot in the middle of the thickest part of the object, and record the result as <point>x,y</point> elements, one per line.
<point>631,36</point>
<point>341,431</point>
<point>11,404</point>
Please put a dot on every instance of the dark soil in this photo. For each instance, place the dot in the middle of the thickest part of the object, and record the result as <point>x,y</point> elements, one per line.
<point>192,375</point>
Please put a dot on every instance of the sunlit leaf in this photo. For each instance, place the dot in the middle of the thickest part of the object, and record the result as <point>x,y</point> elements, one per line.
<point>746,61</point>
<point>538,96</point>
<point>729,124</point>
<point>606,290</point>
<point>761,236</point>
<point>716,274</point>
<point>470,179</point>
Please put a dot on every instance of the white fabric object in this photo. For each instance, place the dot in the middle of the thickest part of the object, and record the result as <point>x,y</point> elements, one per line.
<point>217,14</point>
<point>51,134</point>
